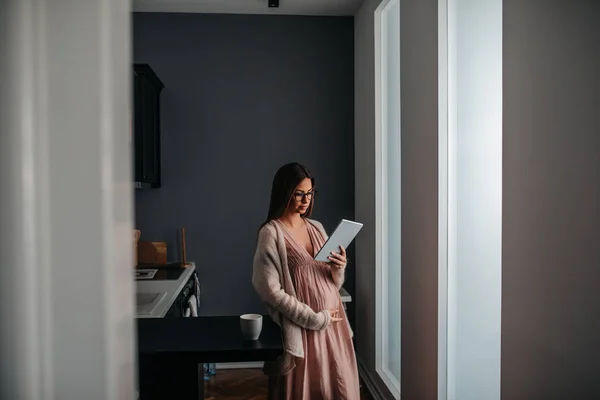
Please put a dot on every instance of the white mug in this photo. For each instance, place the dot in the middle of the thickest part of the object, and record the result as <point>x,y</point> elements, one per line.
<point>251,326</point>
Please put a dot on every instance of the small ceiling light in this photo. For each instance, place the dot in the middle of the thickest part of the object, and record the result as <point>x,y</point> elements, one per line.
<point>273,3</point>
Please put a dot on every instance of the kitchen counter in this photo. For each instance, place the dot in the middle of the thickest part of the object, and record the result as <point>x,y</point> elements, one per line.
<point>345,296</point>
<point>171,288</point>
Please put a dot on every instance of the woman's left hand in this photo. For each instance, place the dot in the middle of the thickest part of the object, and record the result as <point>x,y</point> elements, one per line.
<point>338,260</point>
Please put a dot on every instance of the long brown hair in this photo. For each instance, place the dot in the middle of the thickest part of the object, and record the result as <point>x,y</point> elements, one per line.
<point>286,179</point>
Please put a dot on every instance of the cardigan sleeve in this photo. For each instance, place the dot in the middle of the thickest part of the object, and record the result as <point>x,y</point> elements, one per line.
<point>337,275</point>
<point>267,283</point>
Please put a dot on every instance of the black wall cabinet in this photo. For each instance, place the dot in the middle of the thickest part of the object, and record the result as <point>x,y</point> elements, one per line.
<point>146,99</point>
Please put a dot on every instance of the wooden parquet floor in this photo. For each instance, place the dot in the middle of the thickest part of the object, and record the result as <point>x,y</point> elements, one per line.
<point>243,384</point>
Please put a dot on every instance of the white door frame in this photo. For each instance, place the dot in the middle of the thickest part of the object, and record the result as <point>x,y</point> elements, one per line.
<point>66,205</point>
<point>443,143</point>
<point>470,198</point>
<point>381,204</point>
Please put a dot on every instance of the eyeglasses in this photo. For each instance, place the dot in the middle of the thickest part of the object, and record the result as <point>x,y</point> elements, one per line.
<point>299,195</point>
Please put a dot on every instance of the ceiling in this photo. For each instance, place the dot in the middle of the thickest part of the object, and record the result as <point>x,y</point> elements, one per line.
<point>286,7</point>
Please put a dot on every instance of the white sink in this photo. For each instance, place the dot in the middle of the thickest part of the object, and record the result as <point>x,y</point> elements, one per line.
<point>147,302</point>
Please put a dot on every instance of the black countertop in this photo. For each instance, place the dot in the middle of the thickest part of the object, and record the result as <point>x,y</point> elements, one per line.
<point>208,339</point>
<point>171,349</point>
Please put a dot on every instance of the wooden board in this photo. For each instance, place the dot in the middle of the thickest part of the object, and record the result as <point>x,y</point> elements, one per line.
<point>136,238</point>
<point>152,252</point>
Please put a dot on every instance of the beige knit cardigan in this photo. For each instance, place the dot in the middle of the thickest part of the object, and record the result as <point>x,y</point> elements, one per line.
<point>272,280</point>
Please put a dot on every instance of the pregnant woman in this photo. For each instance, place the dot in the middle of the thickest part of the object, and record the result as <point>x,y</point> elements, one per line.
<point>302,296</point>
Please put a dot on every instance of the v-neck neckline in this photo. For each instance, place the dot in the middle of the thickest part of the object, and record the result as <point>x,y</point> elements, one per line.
<point>312,242</point>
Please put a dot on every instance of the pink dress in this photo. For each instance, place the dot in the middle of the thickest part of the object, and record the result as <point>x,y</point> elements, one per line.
<point>328,370</point>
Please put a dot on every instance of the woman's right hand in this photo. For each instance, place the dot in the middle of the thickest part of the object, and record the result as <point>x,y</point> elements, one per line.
<point>334,316</point>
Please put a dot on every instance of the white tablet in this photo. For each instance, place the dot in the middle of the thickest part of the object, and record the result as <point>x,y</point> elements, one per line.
<point>343,235</point>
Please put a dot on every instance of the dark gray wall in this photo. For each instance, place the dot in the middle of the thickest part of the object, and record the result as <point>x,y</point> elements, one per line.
<point>551,200</point>
<point>243,95</point>
<point>419,66</point>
